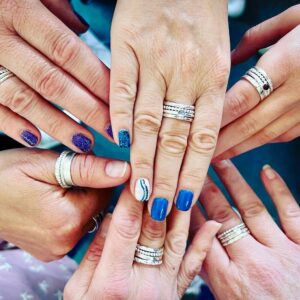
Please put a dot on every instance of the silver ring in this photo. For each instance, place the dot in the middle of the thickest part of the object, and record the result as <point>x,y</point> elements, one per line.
<point>98,220</point>
<point>63,169</point>
<point>233,234</point>
<point>5,74</point>
<point>183,112</point>
<point>257,77</point>
<point>148,256</point>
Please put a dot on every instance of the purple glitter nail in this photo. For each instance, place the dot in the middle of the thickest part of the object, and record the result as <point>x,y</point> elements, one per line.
<point>82,142</point>
<point>29,138</point>
<point>109,131</point>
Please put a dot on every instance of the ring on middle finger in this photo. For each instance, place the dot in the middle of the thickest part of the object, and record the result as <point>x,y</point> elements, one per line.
<point>179,111</point>
<point>233,234</point>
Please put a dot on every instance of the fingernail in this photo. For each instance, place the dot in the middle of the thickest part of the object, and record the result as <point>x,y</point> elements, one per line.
<point>269,172</point>
<point>142,189</point>
<point>184,200</point>
<point>82,142</point>
<point>109,131</point>
<point>116,169</point>
<point>124,138</point>
<point>159,209</point>
<point>82,20</point>
<point>30,138</point>
<point>222,164</point>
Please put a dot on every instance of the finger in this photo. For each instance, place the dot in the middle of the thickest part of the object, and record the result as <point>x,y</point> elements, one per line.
<point>196,254</point>
<point>63,48</point>
<point>123,89</point>
<point>54,85</point>
<point>18,128</point>
<point>268,134</point>
<point>201,146</point>
<point>289,135</point>
<point>121,241</point>
<point>31,106</point>
<point>286,205</point>
<point>82,278</point>
<point>253,212</point>
<point>147,123</point>
<point>266,34</point>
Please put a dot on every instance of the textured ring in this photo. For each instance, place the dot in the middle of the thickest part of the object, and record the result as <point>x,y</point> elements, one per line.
<point>98,220</point>
<point>233,234</point>
<point>5,74</point>
<point>179,111</point>
<point>148,256</point>
<point>63,169</point>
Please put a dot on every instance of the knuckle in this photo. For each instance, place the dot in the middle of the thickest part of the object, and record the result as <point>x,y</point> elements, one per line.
<point>165,184</point>
<point>252,209</point>
<point>176,243</point>
<point>223,214</point>
<point>95,251</point>
<point>248,127</point>
<point>152,230</point>
<point>92,115</point>
<point>204,140</point>
<point>142,163</point>
<point>128,226</point>
<point>291,212</point>
<point>173,144</point>
<point>65,49</point>
<point>266,136</point>
<point>124,91</point>
<point>238,104</point>
<point>54,126</point>
<point>193,175</point>
<point>85,167</point>
<point>148,122</point>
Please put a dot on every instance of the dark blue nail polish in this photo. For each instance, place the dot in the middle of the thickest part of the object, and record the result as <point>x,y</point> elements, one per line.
<point>184,200</point>
<point>109,131</point>
<point>159,209</point>
<point>124,138</point>
<point>82,142</point>
<point>82,20</point>
<point>29,138</point>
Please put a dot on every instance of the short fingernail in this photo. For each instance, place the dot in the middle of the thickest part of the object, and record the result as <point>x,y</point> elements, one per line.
<point>124,138</point>
<point>270,174</point>
<point>30,138</point>
<point>184,200</point>
<point>116,169</point>
<point>159,209</point>
<point>82,142</point>
<point>109,131</point>
<point>82,20</point>
<point>142,189</point>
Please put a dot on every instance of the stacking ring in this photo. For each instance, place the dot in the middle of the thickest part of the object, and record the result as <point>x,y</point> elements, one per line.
<point>257,77</point>
<point>5,74</point>
<point>233,234</point>
<point>98,220</point>
<point>183,112</point>
<point>148,256</point>
<point>63,169</point>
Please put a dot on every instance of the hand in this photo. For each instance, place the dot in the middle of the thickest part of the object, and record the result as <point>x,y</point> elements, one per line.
<point>108,272</point>
<point>51,66</point>
<point>249,122</point>
<point>39,216</point>
<point>265,264</point>
<point>176,51</point>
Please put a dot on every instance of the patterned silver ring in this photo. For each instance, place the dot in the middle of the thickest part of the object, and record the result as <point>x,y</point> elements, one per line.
<point>233,234</point>
<point>179,111</point>
<point>148,256</point>
<point>98,220</point>
<point>5,74</point>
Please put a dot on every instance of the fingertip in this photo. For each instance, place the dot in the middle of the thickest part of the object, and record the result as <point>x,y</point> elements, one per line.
<point>117,169</point>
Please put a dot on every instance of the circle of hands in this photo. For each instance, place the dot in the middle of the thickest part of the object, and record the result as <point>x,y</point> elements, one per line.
<point>52,66</point>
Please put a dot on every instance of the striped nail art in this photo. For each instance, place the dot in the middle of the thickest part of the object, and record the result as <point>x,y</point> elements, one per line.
<point>142,189</point>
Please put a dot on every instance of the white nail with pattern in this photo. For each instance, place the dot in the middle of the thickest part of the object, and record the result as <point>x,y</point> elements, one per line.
<point>142,189</point>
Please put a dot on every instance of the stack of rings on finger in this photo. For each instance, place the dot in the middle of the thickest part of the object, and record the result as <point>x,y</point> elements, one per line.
<point>5,74</point>
<point>148,256</point>
<point>97,220</point>
<point>63,169</point>
<point>183,112</point>
<point>260,80</point>
<point>234,234</point>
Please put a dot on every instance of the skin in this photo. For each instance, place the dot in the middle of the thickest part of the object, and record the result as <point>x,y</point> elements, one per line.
<point>39,216</point>
<point>178,51</point>
<point>247,122</point>
<point>52,66</point>
<point>265,264</point>
<point>107,271</point>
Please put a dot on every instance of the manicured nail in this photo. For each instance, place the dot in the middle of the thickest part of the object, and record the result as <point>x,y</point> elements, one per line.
<point>142,189</point>
<point>116,169</point>
<point>30,138</point>
<point>270,174</point>
<point>82,142</point>
<point>109,131</point>
<point>124,138</point>
<point>184,200</point>
<point>159,209</point>
<point>82,20</point>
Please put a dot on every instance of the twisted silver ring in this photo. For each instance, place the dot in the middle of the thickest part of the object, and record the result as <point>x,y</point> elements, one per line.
<point>98,220</point>
<point>5,74</point>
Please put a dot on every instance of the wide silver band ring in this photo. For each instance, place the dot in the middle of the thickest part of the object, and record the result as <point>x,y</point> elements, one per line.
<point>98,220</point>
<point>148,256</point>
<point>233,234</point>
<point>258,78</point>
<point>179,111</point>
<point>5,74</point>
<point>63,169</point>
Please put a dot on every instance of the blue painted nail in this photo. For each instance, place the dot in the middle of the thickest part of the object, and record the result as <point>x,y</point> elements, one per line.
<point>109,131</point>
<point>82,142</point>
<point>124,138</point>
<point>30,138</point>
<point>159,209</point>
<point>184,200</point>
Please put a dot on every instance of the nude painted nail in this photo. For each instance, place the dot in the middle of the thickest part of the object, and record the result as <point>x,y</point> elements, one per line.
<point>142,190</point>
<point>116,169</point>
<point>270,174</point>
